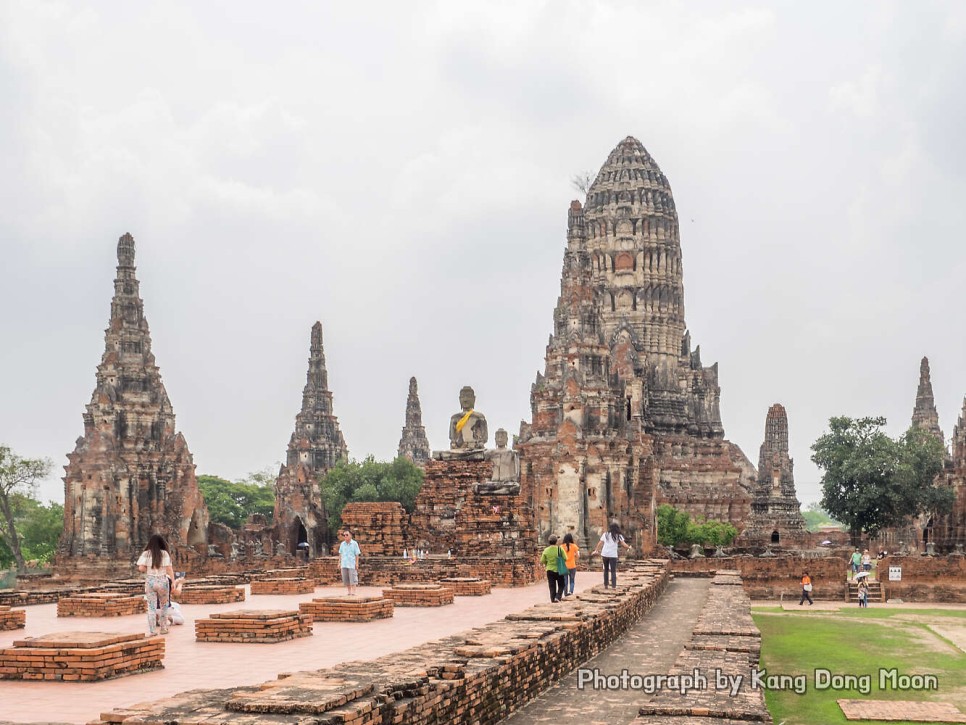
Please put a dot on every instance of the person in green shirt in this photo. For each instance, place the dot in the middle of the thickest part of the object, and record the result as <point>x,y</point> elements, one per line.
<point>555,581</point>
<point>856,561</point>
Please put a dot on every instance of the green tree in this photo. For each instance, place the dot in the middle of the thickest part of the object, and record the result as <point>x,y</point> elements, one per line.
<point>672,525</point>
<point>369,480</point>
<point>231,503</point>
<point>871,481</point>
<point>816,517</point>
<point>712,533</point>
<point>18,476</point>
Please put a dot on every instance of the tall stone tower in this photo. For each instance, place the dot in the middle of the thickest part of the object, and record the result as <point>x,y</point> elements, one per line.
<point>625,415</point>
<point>414,444</point>
<point>315,447</point>
<point>924,414</point>
<point>776,516</point>
<point>131,473</point>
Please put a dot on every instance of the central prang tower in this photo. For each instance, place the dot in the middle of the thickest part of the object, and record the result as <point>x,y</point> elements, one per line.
<point>625,416</point>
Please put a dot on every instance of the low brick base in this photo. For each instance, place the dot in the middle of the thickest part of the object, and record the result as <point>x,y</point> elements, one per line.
<point>100,604</point>
<point>466,586</point>
<point>419,595</point>
<point>12,618</point>
<point>211,595</point>
<point>254,626</point>
<point>81,656</point>
<point>347,609</point>
<point>283,586</point>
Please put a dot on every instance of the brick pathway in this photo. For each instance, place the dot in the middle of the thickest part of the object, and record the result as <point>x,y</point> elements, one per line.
<point>191,665</point>
<point>901,710</point>
<point>648,648</point>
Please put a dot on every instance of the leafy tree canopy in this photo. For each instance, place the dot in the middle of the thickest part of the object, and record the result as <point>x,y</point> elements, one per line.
<point>872,481</point>
<point>231,503</point>
<point>18,480</point>
<point>675,528</point>
<point>369,480</point>
<point>816,517</point>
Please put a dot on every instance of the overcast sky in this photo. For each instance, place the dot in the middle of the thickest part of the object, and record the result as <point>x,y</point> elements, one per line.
<point>401,171</point>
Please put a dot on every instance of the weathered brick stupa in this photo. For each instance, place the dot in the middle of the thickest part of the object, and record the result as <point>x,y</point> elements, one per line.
<point>414,444</point>
<point>776,515</point>
<point>625,415</point>
<point>131,473</point>
<point>315,447</point>
<point>949,528</point>
<point>924,413</point>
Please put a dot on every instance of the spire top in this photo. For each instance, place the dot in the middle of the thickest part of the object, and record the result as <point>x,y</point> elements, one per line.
<point>925,415</point>
<point>413,444</point>
<point>125,251</point>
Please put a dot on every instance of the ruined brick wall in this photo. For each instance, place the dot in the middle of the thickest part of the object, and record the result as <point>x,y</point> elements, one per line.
<point>516,571</point>
<point>924,579</point>
<point>378,526</point>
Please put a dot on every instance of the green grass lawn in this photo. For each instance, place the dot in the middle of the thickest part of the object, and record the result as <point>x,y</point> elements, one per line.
<point>857,642</point>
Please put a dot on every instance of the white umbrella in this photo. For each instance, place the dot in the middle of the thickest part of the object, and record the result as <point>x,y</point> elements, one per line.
<point>826,543</point>
<point>861,574</point>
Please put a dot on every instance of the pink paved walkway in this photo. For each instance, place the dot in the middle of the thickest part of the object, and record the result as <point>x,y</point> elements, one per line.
<point>191,665</point>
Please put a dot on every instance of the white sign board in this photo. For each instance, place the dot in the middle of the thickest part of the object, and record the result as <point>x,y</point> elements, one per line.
<point>895,573</point>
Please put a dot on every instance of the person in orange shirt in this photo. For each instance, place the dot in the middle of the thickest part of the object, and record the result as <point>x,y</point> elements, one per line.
<point>806,589</point>
<point>571,553</point>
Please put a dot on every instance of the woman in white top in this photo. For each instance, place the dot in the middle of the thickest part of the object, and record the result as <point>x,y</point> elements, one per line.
<point>607,547</point>
<point>156,563</point>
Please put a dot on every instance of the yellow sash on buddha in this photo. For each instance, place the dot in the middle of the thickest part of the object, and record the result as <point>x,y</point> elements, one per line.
<point>462,421</point>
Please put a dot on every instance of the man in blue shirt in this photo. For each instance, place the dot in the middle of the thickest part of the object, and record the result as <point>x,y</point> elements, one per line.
<point>349,554</point>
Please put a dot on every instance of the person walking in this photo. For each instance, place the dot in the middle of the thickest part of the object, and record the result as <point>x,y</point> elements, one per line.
<point>863,593</point>
<point>155,564</point>
<point>608,547</point>
<point>555,581</point>
<point>572,553</point>
<point>349,554</point>
<point>806,589</point>
<point>866,561</point>
<point>855,562</point>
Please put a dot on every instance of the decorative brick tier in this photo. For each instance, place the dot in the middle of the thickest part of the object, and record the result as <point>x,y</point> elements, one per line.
<point>419,595</point>
<point>517,571</point>
<point>466,586</point>
<point>477,677</point>
<point>347,609</point>
<point>283,586</point>
<point>81,656</point>
<point>262,626</point>
<point>211,595</point>
<point>12,618</point>
<point>100,604</point>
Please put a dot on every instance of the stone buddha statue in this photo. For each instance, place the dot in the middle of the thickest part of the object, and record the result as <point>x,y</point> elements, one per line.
<point>505,478</point>
<point>467,431</point>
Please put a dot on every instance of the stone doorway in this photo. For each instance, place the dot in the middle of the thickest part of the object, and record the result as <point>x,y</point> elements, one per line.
<point>775,537</point>
<point>300,537</point>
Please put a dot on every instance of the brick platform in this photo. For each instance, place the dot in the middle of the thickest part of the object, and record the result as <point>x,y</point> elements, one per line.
<point>283,586</point>
<point>419,595</point>
<point>347,609</point>
<point>901,710</point>
<point>254,626</point>
<point>211,595</point>
<point>81,656</point>
<point>466,586</point>
<point>100,604</point>
<point>12,618</point>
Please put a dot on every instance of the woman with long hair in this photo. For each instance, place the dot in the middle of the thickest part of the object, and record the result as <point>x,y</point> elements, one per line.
<point>571,552</point>
<point>155,563</point>
<point>608,548</point>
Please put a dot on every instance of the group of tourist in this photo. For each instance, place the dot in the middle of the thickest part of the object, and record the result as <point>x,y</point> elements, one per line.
<point>560,561</point>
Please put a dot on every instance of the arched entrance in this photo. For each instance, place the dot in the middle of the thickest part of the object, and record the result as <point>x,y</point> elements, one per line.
<point>775,537</point>
<point>300,537</point>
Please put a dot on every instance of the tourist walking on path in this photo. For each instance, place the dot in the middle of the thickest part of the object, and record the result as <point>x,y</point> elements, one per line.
<point>155,563</point>
<point>806,589</point>
<point>855,562</point>
<point>556,581</point>
<point>608,548</point>
<point>863,593</point>
<point>572,553</point>
<point>866,561</point>
<point>349,554</point>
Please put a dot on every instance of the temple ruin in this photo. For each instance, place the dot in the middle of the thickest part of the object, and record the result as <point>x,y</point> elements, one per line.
<point>776,515</point>
<point>315,447</point>
<point>625,415</point>
<point>924,414</point>
<point>413,444</point>
<point>131,473</point>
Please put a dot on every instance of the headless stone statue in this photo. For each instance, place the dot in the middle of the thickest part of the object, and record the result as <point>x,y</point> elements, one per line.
<point>505,478</point>
<point>234,550</point>
<point>280,549</point>
<point>467,431</point>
